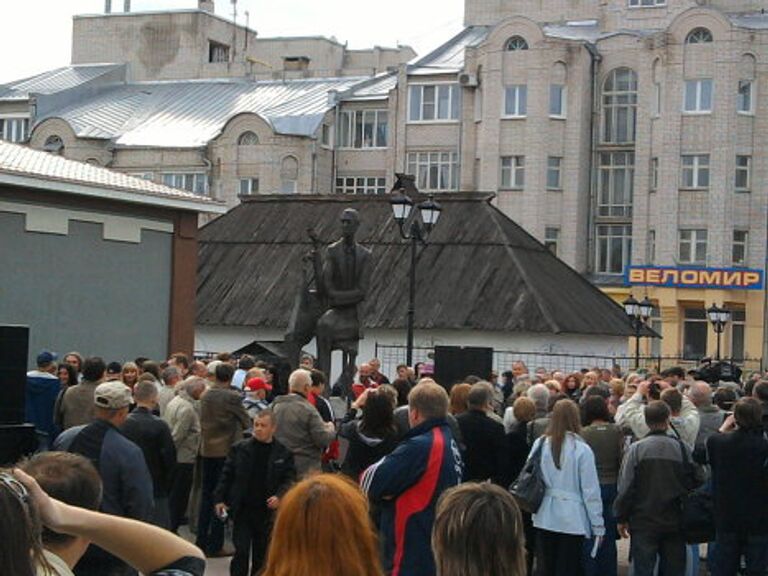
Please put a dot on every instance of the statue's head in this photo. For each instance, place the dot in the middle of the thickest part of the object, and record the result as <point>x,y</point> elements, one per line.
<point>350,222</point>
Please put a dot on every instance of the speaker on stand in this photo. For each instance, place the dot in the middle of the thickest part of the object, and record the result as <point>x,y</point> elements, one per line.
<point>454,363</point>
<point>17,439</point>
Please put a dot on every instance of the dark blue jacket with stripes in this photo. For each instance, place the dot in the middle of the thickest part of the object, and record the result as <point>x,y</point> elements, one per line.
<point>406,485</point>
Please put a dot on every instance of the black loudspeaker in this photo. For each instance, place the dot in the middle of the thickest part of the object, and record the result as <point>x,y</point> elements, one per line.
<point>14,347</point>
<point>454,363</point>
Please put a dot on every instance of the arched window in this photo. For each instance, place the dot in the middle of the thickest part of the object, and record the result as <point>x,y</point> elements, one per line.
<point>289,174</point>
<point>699,36</point>
<point>619,106</point>
<point>53,144</point>
<point>516,43</point>
<point>248,139</point>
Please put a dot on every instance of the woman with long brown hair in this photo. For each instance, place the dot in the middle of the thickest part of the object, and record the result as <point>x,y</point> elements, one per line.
<point>323,529</point>
<point>572,507</point>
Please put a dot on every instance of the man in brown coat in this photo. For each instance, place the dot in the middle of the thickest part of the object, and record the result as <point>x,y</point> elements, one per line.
<point>75,405</point>
<point>222,420</point>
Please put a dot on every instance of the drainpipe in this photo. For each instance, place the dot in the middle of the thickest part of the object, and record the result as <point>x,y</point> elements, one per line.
<point>209,168</point>
<point>593,136</point>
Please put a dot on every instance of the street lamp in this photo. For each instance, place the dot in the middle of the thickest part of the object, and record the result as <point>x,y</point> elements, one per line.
<point>414,227</point>
<point>638,313</point>
<point>719,317</point>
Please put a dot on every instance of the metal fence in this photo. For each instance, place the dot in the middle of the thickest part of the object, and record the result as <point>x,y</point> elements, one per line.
<point>392,355</point>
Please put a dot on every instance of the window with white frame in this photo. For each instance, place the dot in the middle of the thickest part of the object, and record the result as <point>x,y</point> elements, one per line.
<point>744,97</point>
<point>363,129</point>
<point>14,129</point>
<point>653,183</point>
<point>695,171</point>
<point>692,246</point>
<point>619,107</point>
<point>739,247</point>
<point>554,172</point>
<point>515,101</point>
<point>650,248</point>
<point>196,182</point>
<point>698,96</point>
<point>248,138</point>
<point>361,185</point>
<point>433,102</point>
<point>695,332</point>
<point>646,3</point>
<point>516,43</point>
<point>557,100</point>
<point>512,172</point>
<point>434,171</point>
<point>249,186</point>
<point>743,173</point>
<point>614,248</point>
<point>699,36</point>
<point>617,174</point>
<point>551,238</point>
<point>217,52</point>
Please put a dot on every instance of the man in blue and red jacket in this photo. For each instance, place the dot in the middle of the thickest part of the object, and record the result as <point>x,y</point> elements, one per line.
<point>407,483</point>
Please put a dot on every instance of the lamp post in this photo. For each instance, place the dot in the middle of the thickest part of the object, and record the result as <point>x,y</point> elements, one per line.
<point>638,314</point>
<point>719,317</point>
<point>415,228</point>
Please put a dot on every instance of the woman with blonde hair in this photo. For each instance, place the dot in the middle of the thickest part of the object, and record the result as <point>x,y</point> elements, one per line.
<point>323,529</point>
<point>478,531</point>
<point>130,374</point>
<point>572,508</point>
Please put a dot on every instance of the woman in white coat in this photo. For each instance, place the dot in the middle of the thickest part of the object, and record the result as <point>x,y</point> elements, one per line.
<point>572,508</point>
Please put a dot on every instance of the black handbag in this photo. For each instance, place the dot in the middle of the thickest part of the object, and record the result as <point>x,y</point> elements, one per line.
<point>698,517</point>
<point>528,489</point>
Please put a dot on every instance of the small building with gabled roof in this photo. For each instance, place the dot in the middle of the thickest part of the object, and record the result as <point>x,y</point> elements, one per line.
<point>95,260</point>
<point>482,280</point>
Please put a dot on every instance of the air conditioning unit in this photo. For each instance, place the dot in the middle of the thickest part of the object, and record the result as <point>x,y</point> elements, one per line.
<point>468,80</point>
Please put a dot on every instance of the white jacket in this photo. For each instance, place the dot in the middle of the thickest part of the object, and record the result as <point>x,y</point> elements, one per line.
<point>632,415</point>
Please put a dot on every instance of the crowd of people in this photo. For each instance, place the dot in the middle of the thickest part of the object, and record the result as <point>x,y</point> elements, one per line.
<point>405,478</point>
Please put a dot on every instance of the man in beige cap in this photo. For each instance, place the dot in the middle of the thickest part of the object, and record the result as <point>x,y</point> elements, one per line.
<point>126,480</point>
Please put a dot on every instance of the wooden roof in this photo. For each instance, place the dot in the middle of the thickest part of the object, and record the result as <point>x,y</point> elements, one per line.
<point>480,271</point>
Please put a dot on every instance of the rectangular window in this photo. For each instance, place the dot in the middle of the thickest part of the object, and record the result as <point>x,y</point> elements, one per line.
<point>196,182</point>
<point>646,3</point>
<point>743,170</point>
<point>654,178</point>
<point>217,52</point>
<point>698,95</point>
<point>551,238</point>
<point>614,248</point>
<point>737,325</point>
<point>363,129</point>
<point>744,97</point>
<point>617,172</point>
<point>512,172</point>
<point>249,186</point>
<point>554,165</point>
<point>14,129</point>
<point>434,171</point>
<point>361,185</point>
<point>656,326</point>
<point>431,102</point>
<point>557,100</point>
<point>515,101</point>
<point>695,171</point>
<point>650,248</point>
<point>695,331</point>
<point>325,135</point>
<point>739,247</point>
<point>692,247</point>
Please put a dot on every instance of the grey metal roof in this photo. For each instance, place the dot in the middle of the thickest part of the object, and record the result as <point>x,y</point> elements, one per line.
<point>588,30</point>
<point>17,160</point>
<point>375,89</point>
<point>450,56</point>
<point>55,80</point>
<point>756,21</point>
<point>189,114</point>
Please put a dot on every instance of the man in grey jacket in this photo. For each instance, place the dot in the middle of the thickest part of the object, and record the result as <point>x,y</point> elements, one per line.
<point>299,425</point>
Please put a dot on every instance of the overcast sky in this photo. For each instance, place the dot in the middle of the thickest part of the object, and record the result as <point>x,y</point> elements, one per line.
<point>37,34</point>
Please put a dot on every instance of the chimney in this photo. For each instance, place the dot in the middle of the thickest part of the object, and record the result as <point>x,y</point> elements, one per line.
<point>107,6</point>
<point>206,6</point>
<point>126,6</point>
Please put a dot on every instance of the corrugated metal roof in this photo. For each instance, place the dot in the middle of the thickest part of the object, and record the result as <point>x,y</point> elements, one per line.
<point>588,31</point>
<point>450,56</point>
<point>374,89</point>
<point>189,114</point>
<point>54,80</point>
<point>17,160</point>
<point>756,21</point>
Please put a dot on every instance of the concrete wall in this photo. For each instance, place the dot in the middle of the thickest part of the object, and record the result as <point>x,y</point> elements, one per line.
<point>86,280</point>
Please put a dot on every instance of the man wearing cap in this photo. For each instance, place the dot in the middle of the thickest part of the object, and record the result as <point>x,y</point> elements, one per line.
<point>127,483</point>
<point>42,390</point>
<point>256,396</point>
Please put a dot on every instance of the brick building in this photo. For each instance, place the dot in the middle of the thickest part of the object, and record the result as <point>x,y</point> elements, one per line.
<point>618,132</point>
